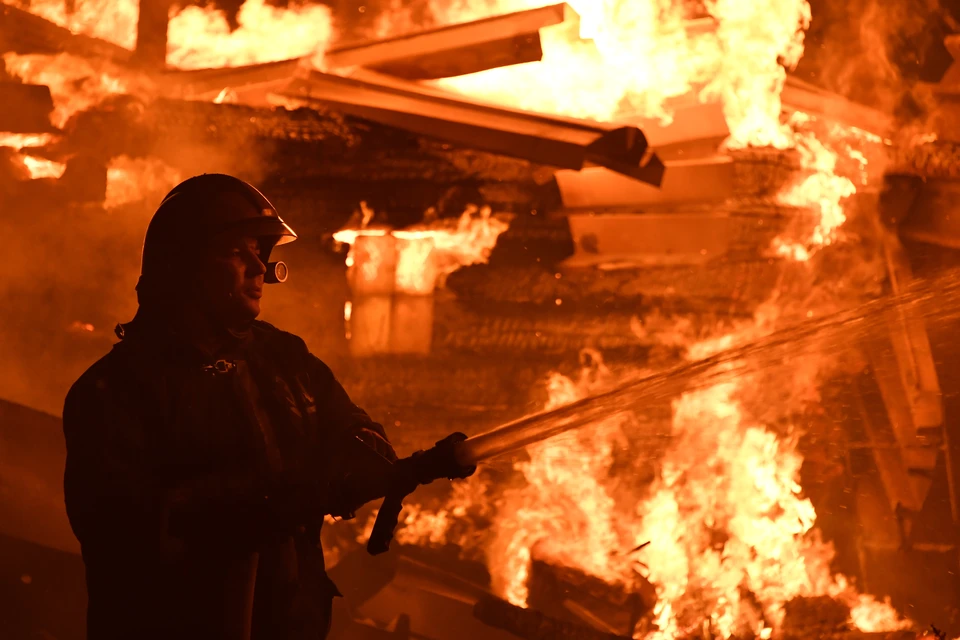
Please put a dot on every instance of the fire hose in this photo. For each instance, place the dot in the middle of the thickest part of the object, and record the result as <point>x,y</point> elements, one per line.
<point>456,456</point>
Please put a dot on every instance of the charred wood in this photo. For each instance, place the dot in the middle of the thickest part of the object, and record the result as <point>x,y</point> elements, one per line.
<point>26,109</point>
<point>152,25</point>
<point>736,284</point>
<point>533,625</point>
<point>339,157</point>
<point>571,595</point>
<point>934,159</point>
<point>814,616</point>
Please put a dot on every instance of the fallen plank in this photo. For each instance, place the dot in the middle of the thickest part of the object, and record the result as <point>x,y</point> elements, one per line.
<point>548,140</point>
<point>249,85</point>
<point>802,96</point>
<point>684,181</point>
<point>458,49</point>
<point>570,595</point>
<point>22,32</point>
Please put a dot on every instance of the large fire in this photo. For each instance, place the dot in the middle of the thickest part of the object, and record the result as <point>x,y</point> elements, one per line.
<point>727,516</point>
<point>200,37</point>
<point>732,538</point>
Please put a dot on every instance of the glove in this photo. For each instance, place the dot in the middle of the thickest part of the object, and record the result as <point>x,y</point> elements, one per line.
<point>440,461</point>
<point>423,467</point>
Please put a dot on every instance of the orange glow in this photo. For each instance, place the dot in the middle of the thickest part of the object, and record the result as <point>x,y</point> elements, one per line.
<point>20,141</point>
<point>201,37</point>
<point>75,83</point>
<point>111,20</point>
<point>43,168</point>
<point>134,179</point>
<point>629,58</point>
<point>428,252</point>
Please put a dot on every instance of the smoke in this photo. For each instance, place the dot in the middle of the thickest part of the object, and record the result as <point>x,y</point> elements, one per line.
<point>874,51</point>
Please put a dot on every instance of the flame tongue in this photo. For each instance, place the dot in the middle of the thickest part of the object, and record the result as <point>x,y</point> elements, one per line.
<point>201,37</point>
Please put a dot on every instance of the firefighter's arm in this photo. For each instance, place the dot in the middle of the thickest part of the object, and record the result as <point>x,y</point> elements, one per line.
<point>359,458</point>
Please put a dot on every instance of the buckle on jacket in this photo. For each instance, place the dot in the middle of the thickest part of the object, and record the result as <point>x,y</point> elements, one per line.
<point>220,366</point>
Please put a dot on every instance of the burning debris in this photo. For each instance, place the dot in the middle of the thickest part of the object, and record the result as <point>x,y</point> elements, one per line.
<point>704,197</point>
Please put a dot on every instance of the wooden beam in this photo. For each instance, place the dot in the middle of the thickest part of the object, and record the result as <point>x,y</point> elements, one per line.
<point>250,85</point>
<point>457,49</point>
<point>802,96</point>
<point>548,140</point>
<point>152,26</point>
<point>22,32</point>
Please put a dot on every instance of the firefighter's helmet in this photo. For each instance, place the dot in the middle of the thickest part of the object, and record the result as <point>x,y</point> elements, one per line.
<point>201,207</point>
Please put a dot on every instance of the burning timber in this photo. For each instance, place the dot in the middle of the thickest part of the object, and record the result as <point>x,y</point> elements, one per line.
<point>581,290</point>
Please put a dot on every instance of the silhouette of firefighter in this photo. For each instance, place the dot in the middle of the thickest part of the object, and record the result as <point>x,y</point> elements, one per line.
<point>205,449</point>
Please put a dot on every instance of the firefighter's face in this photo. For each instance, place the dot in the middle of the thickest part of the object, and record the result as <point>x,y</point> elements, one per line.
<point>235,280</point>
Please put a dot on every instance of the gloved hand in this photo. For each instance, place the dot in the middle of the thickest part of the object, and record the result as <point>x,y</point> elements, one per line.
<point>439,461</point>
<point>423,467</point>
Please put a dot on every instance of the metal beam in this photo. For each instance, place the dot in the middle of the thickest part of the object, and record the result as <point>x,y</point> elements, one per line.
<point>548,140</point>
<point>457,49</point>
<point>251,84</point>
<point>684,181</point>
<point>652,239</point>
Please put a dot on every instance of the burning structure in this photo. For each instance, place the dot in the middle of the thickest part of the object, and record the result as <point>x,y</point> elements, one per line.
<point>513,208</point>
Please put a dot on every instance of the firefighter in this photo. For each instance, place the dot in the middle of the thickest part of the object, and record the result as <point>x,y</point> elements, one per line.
<point>204,449</point>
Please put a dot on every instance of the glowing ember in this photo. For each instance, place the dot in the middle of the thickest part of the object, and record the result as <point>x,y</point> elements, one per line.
<point>135,179</point>
<point>201,37</point>
<point>43,168</point>
<point>20,141</point>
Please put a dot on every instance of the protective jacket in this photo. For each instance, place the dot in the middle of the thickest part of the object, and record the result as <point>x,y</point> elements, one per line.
<point>197,482</point>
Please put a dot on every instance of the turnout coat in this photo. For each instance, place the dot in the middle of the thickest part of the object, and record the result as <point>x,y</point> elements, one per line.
<point>197,483</point>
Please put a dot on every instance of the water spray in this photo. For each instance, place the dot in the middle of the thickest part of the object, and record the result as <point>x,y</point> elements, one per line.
<point>457,455</point>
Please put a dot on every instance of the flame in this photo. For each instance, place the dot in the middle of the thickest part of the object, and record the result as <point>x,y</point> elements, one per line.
<point>428,252</point>
<point>630,58</point>
<point>201,37</point>
<point>111,20</point>
<point>76,84</point>
<point>135,179</point>
<point>626,57</point>
<point>43,168</point>
<point>564,510</point>
<point>20,141</point>
<point>635,59</point>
